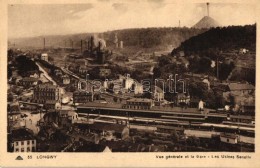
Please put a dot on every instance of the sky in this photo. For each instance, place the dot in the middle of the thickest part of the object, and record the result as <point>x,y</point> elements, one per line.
<point>28,20</point>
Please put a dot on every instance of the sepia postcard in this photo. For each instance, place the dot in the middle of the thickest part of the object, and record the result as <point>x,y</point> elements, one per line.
<point>129,83</point>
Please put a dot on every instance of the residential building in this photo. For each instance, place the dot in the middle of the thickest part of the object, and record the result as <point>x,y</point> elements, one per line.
<point>158,93</point>
<point>182,98</point>
<point>138,88</point>
<point>67,117</point>
<point>83,69</point>
<point>29,81</point>
<point>229,138</point>
<point>65,79</point>
<point>126,81</point>
<point>104,72</point>
<point>138,103</point>
<point>47,91</point>
<point>82,97</point>
<point>21,140</point>
<point>44,57</point>
<point>201,105</point>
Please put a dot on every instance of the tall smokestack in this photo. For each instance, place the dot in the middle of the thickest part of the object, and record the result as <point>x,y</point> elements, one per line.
<point>208,8</point>
<point>81,45</point>
<point>99,46</point>
<point>43,43</point>
<point>179,23</point>
<point>88,45</point>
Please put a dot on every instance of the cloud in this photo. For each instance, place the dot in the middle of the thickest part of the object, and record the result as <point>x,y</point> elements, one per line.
<point>33,20</point>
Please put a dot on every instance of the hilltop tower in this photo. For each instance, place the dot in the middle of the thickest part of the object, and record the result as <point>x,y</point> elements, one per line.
<point>208,9</point>
<point>206,21</point>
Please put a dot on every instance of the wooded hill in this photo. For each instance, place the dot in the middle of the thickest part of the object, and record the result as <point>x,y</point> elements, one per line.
<point>225,38</point>
<point>136,37</point>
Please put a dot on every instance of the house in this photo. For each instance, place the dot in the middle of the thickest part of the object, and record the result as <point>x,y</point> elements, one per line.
<point>201,105</point>
<point>248,108</point>
<point>138,103</point>
<point>29,81</point>
<point>182,98</point>
<point>13,120</point>
<point>34,75</point>
<point>126,81</point>
<point>83,69</point>
<point>44,92</point>
<point>82,97</point>
<point>57,72</point>
<point>65,79</point>
<point>229,138</point>
<point>44,57</point>
<point>67,117</point>
<point>158,93</point>
<point>137,88</point>
<point>243,51</point>
<point>104,72</point>
<point>21,140</point>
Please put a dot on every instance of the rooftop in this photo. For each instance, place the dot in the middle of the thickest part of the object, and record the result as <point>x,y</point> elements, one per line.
<point>21,134</point>
<point>30,79</point>
<point>47,86</point>
<point>228,135</point>
<point>139,100</point>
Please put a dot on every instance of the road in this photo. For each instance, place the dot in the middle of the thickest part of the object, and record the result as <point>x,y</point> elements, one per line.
<point>46,74</point>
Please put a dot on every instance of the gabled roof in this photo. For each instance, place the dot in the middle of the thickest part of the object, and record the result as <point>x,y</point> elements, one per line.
<point>21,134</point>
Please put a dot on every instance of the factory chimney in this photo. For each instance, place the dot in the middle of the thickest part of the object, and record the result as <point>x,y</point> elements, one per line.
<point>208,8</point>
<point>91,43</point>
<point>43,43</point>
<point>99,46</point>
<point>71,44</point>
<point>179,23</point>
<point>81,45</point>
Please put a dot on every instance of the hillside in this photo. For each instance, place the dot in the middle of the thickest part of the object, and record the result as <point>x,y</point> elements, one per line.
<point>160,38</point>
<point>232,37</point>
<point>206,22</point>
